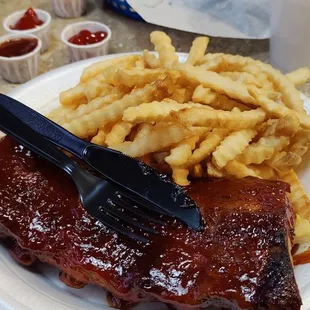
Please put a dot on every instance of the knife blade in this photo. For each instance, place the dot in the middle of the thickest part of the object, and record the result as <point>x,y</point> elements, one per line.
<point>144,181</point>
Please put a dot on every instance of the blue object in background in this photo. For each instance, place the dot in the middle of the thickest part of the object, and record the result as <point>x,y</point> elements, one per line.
<point>122,7</point>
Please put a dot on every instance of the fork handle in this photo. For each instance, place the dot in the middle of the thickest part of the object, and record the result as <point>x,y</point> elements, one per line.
<point>21,132</point>
<point>42,125</point>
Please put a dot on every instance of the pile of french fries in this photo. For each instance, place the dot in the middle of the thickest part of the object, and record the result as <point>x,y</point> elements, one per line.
<point>216,114</point>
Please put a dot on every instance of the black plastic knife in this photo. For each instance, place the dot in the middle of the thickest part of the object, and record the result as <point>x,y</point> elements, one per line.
<point>133,175</point>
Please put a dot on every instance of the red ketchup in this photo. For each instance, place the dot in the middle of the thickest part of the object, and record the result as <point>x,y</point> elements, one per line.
<point>28,21</point>
<point>18,47</point>
<point>85,37</point>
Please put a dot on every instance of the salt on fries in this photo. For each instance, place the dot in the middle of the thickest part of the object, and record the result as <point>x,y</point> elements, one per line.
<point>216,114</point>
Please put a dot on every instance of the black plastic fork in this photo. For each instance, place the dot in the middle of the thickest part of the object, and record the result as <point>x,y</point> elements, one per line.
<point>107,202</point>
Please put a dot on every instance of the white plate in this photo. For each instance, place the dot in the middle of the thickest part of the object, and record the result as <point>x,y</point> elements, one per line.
<point>21,289</point>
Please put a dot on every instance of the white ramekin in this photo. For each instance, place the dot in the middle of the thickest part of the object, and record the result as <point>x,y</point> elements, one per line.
<point>43,31</point>
<point>23,68</point>
<point>79,52</point>
<point>69,8</point>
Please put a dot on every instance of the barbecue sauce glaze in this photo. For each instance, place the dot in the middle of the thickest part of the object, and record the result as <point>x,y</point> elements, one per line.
<point>241,259</point>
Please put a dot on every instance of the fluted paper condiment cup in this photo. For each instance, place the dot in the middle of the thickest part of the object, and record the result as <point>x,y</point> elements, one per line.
<point>20,69</point>
<point>79,52</point>
<point>69,8</point>
<point>42,31</point>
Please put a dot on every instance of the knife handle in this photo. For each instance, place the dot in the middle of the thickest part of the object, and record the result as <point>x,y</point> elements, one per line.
<point>33,141</point>
<point>42,125</point>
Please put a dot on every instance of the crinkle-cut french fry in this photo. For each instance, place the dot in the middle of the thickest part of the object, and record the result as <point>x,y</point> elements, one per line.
<point>166,51</point>
<point>219,118</point>
<point>118,133</point>
<point>200,131</point>
<point>182,95</point>
<point>300,143</point>
<point>264,171</point>
<point>232,146</point>
<point>213,80</point>
<point>301,233</point>
<point>285,126</point>
<point>196,171</point>
<point>290,95</point>
<point>214,64</point>
<point>153,111</point>
<point>160,157</point>
<point>254,69</point>
<point>58,119</point>
<point>139,64</point>
<point>151,60</point>
<point>284,161</point>
<point>267,85</point>
<point>223,102</point>
<point>94,88</point>
<point>91,107</point>
<point>87,125</point>
<point>154,141</point>
<point>182,151</point>
<point>82,93</point>
<point>180,175</point>
<point>100,137</point>
<point>235,109</point>
<point>73,96</point>
<point>298,196</point>
<point>243,64</point>
<point>203,95</point>
<point>239,170</point>
<point>138,78</point>
<point>99,67</point>
<point>198,49</point>
<point>108,76</point>
<point>214,172</point>
<point>263,149</point>
<point>208,57</point>
<point>299,76</point>
<point>264,129</point>
<point>57,113</point>
<point>226,62</point>
<point>143,130</point>
<point>278,110</point>
<point>207,146</point>
<point>262,78</point>
<point>242,77</point>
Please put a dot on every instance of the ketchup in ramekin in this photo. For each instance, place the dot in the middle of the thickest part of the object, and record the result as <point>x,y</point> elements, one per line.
<point>19,57</point>
<point>17,47</point>
<point>29,20</point>
<point>85,37</point>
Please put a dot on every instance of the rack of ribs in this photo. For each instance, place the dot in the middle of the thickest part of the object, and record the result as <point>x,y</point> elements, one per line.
<point>241,260</point>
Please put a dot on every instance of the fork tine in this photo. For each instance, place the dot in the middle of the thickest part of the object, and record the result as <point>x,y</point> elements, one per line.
<point>120,215</point>
<point>120,201</point>
<point>144,203</point>
<point>115,225</point>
